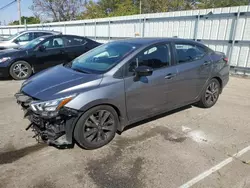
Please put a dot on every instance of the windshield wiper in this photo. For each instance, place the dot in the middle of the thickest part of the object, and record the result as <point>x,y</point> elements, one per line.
<point>69,64</point>
<point>82,71</point>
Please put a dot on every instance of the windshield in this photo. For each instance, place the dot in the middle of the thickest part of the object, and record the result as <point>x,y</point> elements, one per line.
<point>103,58</point>
<point>33,43</point>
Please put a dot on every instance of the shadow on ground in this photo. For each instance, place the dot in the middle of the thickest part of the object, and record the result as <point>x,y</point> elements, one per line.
<point>106,172</point>
<point>156,117</point>
<point>12,155</point>
<point>6,79</point>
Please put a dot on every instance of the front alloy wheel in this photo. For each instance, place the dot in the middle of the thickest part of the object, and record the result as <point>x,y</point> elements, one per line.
<point>99,126</point>
<point>96,127</point>
<point>20,70</point>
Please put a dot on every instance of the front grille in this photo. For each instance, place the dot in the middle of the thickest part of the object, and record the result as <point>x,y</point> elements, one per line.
<point>36,119</point>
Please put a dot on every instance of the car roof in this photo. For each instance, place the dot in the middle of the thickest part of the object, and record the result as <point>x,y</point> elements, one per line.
<point>35,31</point>
<point>148,41</point>
<point>60,35</point>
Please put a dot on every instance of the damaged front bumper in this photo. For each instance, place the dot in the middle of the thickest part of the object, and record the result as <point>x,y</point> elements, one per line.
<point>55,131</point>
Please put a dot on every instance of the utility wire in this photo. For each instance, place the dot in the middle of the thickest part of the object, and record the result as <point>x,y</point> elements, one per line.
<point>5,6</point>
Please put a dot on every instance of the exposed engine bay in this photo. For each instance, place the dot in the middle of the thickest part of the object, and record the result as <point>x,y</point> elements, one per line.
<point>56,129</point>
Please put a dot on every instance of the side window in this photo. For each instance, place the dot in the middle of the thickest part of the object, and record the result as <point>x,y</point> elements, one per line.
<point>189,52</point>
<point>25,37</point>
<point>156,57</point>
<point>75,41</point>
<point>54,43</point>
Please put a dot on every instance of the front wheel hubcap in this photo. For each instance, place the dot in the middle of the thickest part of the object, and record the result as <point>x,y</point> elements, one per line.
<point>21,70</point>
<point>212,93</point>
<point>99,126</point>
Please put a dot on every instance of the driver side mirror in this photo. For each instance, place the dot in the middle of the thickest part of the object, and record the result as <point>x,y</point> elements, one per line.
<point>42,48</point>
<point>143,71</point>
<point>16,41</point>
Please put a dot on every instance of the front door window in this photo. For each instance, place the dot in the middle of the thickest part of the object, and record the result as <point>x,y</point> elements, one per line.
<point>156,57</point>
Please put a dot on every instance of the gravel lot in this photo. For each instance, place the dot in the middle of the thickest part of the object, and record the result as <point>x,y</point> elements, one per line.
<point>166,151</point>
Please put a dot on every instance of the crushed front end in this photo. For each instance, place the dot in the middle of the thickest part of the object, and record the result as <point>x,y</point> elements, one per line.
<point>51,122</point>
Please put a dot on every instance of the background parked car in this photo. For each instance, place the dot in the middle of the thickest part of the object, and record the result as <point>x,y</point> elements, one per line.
<point>42,53</point>
<point>2,38</point>
<point>23,38</point>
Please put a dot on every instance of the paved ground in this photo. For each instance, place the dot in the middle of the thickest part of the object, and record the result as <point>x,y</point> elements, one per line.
<point>167,151</point>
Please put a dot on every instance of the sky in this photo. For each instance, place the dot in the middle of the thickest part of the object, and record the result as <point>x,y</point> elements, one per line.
<point>10,13</point>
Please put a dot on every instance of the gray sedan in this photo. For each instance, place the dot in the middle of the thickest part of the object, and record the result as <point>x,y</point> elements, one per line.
<point>119,83</point>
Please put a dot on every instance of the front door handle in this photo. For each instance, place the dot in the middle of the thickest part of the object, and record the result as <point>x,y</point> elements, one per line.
<point>170,76</point>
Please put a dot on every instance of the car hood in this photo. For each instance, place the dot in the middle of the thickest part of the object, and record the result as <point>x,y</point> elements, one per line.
<point>8,52</point>
<point>3,43</point>
<point>59,82</point>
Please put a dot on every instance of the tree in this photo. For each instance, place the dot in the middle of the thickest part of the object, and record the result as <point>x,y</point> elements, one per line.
<point>92,10</point>
<point>220,3</point>
<point>106,8</point>
<point>62,10</point>
<point>152,6</point>
<point>127,7</point>
<point>58,10</point>
<point>29,20</point>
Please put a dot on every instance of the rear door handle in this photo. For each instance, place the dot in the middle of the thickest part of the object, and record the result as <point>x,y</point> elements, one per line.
<point>170,76</point>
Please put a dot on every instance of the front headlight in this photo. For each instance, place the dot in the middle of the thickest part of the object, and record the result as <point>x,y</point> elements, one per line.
<point>3,59</point>
<point>51,107</point>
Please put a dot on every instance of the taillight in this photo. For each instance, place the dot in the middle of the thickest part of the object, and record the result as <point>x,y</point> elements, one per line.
<point>225,59</point>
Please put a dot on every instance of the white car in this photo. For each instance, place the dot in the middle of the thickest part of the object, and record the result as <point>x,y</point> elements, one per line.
<point>23,37</point>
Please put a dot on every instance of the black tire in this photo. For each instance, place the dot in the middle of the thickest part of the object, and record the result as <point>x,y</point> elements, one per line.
<point>20,70</point>
<point>210,94</point>
<point>93,133</point>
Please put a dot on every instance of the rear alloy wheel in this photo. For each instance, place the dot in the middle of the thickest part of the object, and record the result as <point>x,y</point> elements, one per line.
<point>20,70</point>
<point>96,127</point>
<point>211,94</point>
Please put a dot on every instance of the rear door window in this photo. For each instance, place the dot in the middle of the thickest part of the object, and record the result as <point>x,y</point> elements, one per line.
<point>71,41</point>
<point>189,52</point>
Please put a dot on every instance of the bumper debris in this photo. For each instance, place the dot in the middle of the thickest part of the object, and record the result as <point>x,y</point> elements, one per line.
<point>56,131</point>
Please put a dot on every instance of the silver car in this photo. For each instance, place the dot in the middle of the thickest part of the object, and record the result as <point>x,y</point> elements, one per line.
<point>101,92</point>
<point>23,37</point>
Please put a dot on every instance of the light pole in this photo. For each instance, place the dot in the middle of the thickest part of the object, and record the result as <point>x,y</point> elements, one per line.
<point>140,6</point>
<point>19,11</point>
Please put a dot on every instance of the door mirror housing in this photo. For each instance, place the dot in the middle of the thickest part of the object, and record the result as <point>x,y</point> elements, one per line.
<point>143,71</point>
<point>16,41</point>
<point>42,48</point>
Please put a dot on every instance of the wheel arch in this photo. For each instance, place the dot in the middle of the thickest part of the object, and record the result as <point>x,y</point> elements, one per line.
<point>23,61</point>
<point>19,60</point>
<point>121,115</point>
<point>220,81</point>
<point>70,127</point>
<point>70,132</point>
